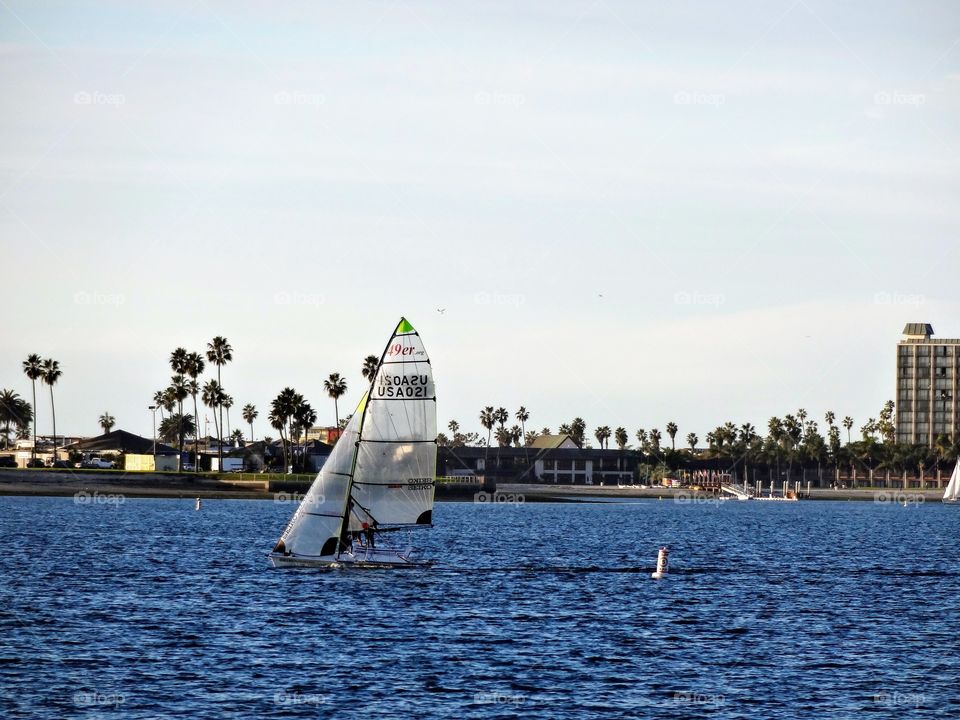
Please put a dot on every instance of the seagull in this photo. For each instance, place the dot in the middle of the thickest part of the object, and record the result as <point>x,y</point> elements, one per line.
<point>441,310</point>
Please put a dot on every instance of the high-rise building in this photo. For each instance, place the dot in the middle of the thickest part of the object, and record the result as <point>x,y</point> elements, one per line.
<point>927,374</point>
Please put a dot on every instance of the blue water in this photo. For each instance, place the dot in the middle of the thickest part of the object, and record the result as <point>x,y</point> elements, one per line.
<point>149,609</point>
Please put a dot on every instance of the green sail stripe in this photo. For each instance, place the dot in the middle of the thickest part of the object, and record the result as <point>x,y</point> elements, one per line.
<point>404,327</point>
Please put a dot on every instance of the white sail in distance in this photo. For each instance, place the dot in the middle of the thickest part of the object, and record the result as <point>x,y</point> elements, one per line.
<point>952,491</point>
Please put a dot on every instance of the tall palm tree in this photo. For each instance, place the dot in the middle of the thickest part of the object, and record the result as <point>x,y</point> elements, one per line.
<point>52,373</point>
<point>501,416</point>
<point>228,403</point>
<point>692,440</point>
<point>336,387</point>
<point>179,391</point>
<point>523,415</point>
<point>672,432</point>
<point>829,416</point>
<point>848,424</point>
<point>33,369</point>
<point>107,421</point>
<point>487,420</point>
<point>219,353</point>
<point>212,396</point>
<point>194,367</point>
<point>370,363</point>
<point>249,415</point>
<point>454,427</point>
<point>655,437</point>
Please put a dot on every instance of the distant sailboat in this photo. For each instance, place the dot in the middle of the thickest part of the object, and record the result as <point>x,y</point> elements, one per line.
<point>380,476</point>
<point>952,493</point>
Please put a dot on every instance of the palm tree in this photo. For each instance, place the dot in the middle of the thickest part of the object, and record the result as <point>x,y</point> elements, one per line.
<point>194,366</point>
<point>848,424</point>
<point>249,415</point>
<point>692,440</point>
<point>219,353</point>
<point>655,437</point>
<point>282,410</point>
<point>175,427</point>
<point>237,436</point>
<point>454,427</point>
<point>305,417</point>
<point>578,429</point>
<point>672,432</point>
<point>523,415</point>
<point>212,396</point>
<point>487,419</point>
<point>501,416</point>
<point>52,373</point>
<point>642,439</point>
<point>620,435</point>
<point>179,391</point>
<point>336,387</point>
<point>370,363</point>
<point>228,403</point>
<point>107,421</point>
<point>602,434</point>
<point>15,410</point>
<point>160,402</point>
<point>829,416</point>
<point>33,369</point>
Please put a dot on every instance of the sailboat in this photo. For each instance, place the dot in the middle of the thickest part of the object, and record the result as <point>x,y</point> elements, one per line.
<point>952,493</point>
<point>380,476</point>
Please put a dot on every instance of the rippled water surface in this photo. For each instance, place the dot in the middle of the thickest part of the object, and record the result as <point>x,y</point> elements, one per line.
<point>814,609</point>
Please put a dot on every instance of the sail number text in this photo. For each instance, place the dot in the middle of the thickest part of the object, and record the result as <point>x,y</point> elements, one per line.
<point>403,386</point>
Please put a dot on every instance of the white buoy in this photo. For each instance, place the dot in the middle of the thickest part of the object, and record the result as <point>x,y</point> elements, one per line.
<point>663,563</point>
<point>198,503</point>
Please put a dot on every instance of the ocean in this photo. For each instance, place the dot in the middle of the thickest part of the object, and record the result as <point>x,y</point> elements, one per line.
<point>143,608</point>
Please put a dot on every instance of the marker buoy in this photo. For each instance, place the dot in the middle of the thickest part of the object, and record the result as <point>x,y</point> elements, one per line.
<point>198,504</point>
<point>663,563</point>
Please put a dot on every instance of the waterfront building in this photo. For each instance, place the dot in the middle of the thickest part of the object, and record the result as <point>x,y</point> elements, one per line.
<point>927,374</point>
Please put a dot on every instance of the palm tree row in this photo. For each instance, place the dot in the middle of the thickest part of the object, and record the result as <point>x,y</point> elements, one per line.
<point>792,440</point>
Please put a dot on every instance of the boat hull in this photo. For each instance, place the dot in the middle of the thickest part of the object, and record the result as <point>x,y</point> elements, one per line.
<point>374,558</point>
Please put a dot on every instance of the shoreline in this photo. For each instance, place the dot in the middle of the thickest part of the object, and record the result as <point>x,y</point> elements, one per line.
<point>164,486</point>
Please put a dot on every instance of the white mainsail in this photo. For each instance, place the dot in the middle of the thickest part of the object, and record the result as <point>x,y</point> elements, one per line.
<point>393,481</point>
<point>952,492</point>
<point>382,470</point>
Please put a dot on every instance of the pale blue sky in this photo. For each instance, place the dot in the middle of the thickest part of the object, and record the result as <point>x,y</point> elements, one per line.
<point>633,212</point>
